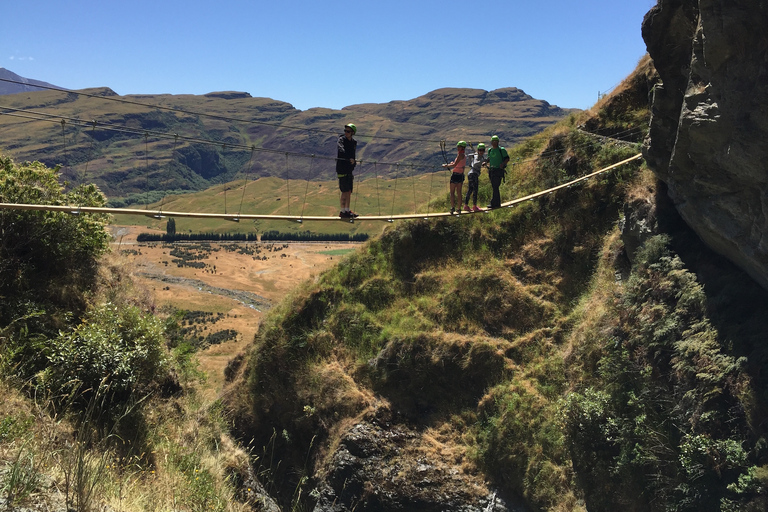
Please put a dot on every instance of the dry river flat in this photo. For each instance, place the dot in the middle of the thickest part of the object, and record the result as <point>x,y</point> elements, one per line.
<point>239,282</point>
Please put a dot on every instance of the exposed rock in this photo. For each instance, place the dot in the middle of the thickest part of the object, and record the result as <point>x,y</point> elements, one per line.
<point>709,132</point>
<point>228,95</point>
<point>383,464</point>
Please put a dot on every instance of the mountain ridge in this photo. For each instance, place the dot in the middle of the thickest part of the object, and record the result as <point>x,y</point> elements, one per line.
<point>402,131</point>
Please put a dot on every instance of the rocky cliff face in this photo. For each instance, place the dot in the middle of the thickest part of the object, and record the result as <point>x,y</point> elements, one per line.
<point>709,131</point>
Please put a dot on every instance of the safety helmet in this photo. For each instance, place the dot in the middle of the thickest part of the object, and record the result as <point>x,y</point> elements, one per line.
<point>481,146</point>
<point>461,144</point>
<point>495,137</point>
<point>351,127</point>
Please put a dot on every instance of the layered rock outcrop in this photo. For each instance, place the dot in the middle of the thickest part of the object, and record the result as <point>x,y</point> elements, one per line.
<point>709,131</point>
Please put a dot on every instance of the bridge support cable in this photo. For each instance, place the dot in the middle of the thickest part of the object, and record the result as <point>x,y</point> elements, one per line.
<point>168,172</point>
<point>146,166</point>
<point>394,190</point>
<point>64,149</point>
<point>413,186</point>
<point>287,183</point>
<point>376,174</point>
<point>431,183</point>
<point>306,190</point>
<point>388,218</point>
<point>245,184</point>
<point>357,194</point>
<point>90,151</point>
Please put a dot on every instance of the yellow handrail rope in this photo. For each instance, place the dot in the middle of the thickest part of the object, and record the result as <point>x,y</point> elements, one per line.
<point>132,211</point>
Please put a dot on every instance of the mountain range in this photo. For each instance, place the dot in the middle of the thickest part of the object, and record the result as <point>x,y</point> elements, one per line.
<point>135,143</point>
<point>19,83</point>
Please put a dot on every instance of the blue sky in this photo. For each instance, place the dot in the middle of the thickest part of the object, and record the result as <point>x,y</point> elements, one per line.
<point>326,53</point>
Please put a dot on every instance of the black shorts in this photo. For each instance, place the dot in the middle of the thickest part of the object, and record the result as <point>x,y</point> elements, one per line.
<point>345,182</point>
<point>457,177</point>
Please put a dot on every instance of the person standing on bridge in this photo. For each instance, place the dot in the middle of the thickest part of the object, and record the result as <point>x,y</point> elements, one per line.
<point>497,162</point>
<point>477,161</point>
<point>345,164</point>
<point>457,176</point>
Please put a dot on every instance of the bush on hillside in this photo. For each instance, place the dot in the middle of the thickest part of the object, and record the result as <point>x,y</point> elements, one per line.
<point>120,348</point>
<point>666,425</point>
<point>48,260</point>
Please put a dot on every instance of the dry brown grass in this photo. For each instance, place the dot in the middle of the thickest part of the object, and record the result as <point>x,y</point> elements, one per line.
<point>272,279</point>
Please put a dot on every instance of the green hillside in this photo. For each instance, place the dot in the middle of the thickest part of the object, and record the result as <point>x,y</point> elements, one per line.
<point>548,357</point>
<point>133,147</point>
<point>528,346</point>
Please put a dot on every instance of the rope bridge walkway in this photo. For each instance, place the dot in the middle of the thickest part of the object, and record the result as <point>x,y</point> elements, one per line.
<point>236,217</point>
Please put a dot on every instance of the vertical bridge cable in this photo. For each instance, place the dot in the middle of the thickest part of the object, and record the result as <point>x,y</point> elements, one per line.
<point>63,149</point>
<point>431,183</point>
<point>90,151</point>
<point>376,174</point>
<point>413,180</point>
<point>247,172</point>
<point>288,184</point>
<point>352,219</point>
<point>146,166</point>
<point>394,192</point>
<point>306,191</point>
<point>173,153</point>
<point>224,164</point>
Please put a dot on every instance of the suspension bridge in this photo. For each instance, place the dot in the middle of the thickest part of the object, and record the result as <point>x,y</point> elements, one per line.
<point>160,212</point>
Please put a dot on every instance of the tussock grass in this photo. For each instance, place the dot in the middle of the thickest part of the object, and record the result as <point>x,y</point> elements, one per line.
<point>461,325</point>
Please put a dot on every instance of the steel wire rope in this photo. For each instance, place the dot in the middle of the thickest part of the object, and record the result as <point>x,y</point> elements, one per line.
<point>212,116</point>
<point>64,148</point>
<point>90,151</point>
<point>352,219</point>
<point>146,165</point>
<point>207,141</point>
<point>391,218</point>
<point>306,191</point>
<point>173,152</point>
<point>245,185</point>
<point>394,192</point>
<point>376,174</point>
<point>288,184</point>
<point>224,163</point>
<point>431,183</point>
<point>413,182</point>
<point>198,140</point>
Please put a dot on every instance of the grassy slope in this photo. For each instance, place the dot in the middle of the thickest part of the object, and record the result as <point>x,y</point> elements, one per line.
<point>476,309</point>
<point>511,336</point>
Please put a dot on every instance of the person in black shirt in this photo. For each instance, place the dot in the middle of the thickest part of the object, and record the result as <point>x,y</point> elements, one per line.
<point>345,164</point>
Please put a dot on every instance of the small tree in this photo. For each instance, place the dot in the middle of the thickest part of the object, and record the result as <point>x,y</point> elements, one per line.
<point>48,260</point>
<point>170,227</point>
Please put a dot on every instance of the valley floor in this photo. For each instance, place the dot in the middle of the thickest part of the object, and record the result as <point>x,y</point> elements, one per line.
<point>236,285</point>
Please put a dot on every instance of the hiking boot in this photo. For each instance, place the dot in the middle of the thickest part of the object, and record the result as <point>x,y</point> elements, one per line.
<point>466,208</point>
<point>352,215</point>
<point>344,215</point>
<point>453,210</point>
<point>476,209</point>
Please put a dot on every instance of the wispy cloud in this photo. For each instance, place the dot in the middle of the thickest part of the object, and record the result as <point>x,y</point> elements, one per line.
<point>15,57</point>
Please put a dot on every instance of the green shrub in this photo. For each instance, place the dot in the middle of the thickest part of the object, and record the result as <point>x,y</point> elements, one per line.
<point>667,429</point>
<point>46,258</point>
<point>118,348</point>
